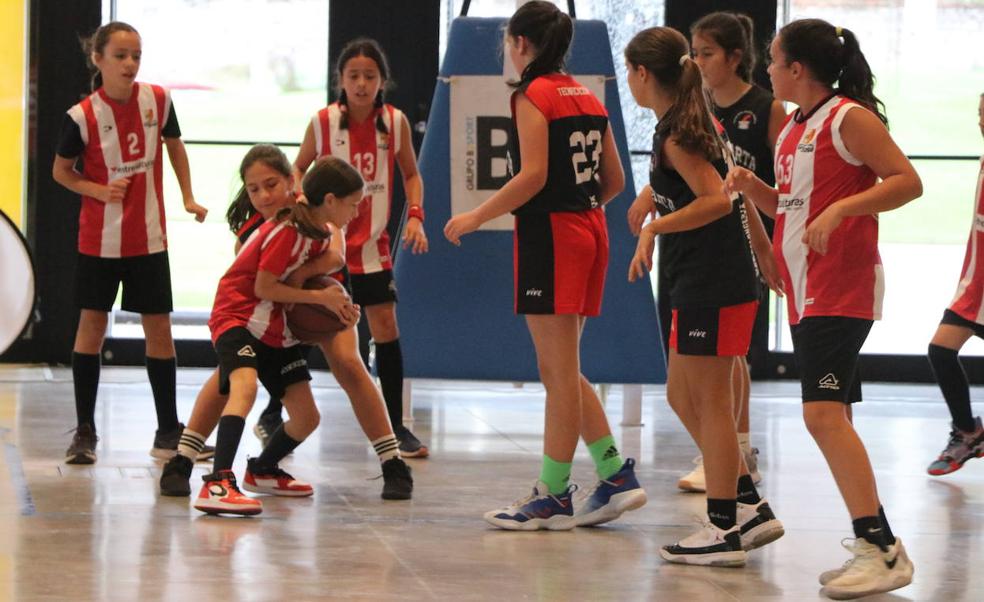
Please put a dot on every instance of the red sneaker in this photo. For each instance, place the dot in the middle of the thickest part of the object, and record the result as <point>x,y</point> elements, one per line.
<point>220,495</point>
<point>275,481</point>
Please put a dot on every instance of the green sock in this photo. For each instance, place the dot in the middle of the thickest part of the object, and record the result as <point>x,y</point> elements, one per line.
<point>606,457</point>
<point>555,474</point>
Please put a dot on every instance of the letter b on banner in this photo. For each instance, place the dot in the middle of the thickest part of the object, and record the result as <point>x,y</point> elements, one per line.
<point>492,152</point>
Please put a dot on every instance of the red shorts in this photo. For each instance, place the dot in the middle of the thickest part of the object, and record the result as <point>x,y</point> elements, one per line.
<point>559,262</point>
<point>717,331</point>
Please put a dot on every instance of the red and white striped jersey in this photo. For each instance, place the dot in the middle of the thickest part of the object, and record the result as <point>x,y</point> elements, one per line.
<point>278,248</point>
<point>813,170</point>
<point>970,292</point>
<point>123,140</point>
<point>373,153</point>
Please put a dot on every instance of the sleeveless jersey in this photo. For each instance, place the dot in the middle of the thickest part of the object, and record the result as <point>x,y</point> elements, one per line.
<point>123,140</point>
<point>373,153</point>
<point>747,124</point>
<point>710,266</point>
<point>576,122</point>
<point>967,303</point>
<point>249,226</point>
<point>814,169</point>
<point>278,248</point>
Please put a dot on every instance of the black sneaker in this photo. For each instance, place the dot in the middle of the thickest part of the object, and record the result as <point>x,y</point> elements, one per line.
<point>410,446</point>
<point>176,478</point>
<point>166,445</point>
<point>397,482</point>
<point>83,447</point>
<point>266,426</point>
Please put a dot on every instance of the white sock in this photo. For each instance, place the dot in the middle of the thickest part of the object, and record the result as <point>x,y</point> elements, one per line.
<point>190,444</point>
<point>387,447</point>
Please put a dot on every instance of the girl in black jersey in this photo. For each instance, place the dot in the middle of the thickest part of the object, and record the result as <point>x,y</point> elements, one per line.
<point>709,261</point>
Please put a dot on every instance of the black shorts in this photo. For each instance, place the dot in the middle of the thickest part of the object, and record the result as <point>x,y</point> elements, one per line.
<point>276,367</point>
<point>146,281</point>
<point>373,289</point>
<point>954,319</point>
<point>826,350</point>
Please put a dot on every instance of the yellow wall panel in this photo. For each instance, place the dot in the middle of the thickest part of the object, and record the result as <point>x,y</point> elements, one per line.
<point>13,103</point>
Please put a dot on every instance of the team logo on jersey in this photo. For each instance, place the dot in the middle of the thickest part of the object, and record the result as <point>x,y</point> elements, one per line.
<point>383,143</point>
<point>744,120</point>
<point>339,141</point>
<point>829,382</point>
<point>246,351</point>
<point>806,142</point>
<point>149,119</point>
<point>107,128</point>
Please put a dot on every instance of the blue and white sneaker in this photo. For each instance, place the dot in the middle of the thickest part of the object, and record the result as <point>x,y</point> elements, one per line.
<point>611,497</point>
<point>540,510</point>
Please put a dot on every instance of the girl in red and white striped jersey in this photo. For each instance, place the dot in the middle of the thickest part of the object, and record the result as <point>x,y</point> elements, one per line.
<point>962,320</point>
<point>374,137</point>
<point>836,169</point>
<point>118,132</point>
<point>253,342</point>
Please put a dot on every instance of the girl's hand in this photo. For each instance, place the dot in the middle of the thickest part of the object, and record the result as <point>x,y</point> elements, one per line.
<point>459,225</point>
<point>192,207</point>
<point>641,207</point>
<point>338,302</point>
<point>642,261</point>
<point>114,191</point>
<point>769,270</point>
<point>738,180</point>
<point>414,236</point>
<point>818,233</point>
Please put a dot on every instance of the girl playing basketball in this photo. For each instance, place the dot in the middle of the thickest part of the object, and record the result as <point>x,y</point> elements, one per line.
<point>119,132</point>
<point>836,168</point>
<point>374,137</point>
<point>557,196</point>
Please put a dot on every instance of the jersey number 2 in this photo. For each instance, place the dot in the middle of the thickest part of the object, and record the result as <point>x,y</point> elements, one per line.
<point>133,144</point>
<point>586,152</point>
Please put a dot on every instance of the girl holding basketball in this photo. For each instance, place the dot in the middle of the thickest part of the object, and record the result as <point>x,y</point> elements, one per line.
<point>558,196</point>
<point>267,188</point>
<point>374,137</point>
<point>837,168</point>
<point>119,132</point>
<point>709,262</point>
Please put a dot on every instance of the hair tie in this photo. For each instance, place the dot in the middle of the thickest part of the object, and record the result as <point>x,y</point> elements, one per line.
<point>839,31</point>
<point>683,59</point>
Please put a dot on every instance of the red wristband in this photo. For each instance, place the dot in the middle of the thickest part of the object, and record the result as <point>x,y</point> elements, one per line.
<point>415,211</point>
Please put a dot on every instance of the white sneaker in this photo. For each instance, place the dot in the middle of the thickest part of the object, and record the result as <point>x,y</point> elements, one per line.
<point>758,525</point>
<point>871,571</point>
<point>694,481</point>
<point>709,546</point>
<point>751,460</point>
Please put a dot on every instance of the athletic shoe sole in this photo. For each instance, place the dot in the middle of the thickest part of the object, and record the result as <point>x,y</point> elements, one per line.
<point>215,508</point>
<point>849,593</point>
<point>166,454</point>
<point>278,492</point>
<point>176,492</point>
<point>690,486</point>
<point>731,559</point>
<point>952,467</point>
<point>83,458</point>
<point>554,523</point>
<point>761,535</point>
<point>617,505</point>
<point>420,453</point>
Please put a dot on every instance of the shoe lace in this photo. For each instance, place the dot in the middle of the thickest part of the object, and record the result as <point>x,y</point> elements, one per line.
<point>956,441</point>
<point>78,434</point>
<point>861,550</point>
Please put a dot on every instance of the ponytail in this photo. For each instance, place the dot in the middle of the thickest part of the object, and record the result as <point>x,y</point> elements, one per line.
<point>833,56</point>
<point>241,208</point>
<point>549,30</point>
<point>733,32</point>
<point>368,48</point>
<point>330,175</point>
<point>96,44</point>
<point>664,52</point>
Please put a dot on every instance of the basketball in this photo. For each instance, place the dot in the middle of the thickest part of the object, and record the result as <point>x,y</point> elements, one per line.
<point>311,323</point>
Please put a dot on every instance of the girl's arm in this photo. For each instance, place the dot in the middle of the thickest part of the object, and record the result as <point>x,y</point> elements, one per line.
<point>269,288</point>
<point>305,157</point>
<point>532,176</point>
<point>413,233</point>
<point>777,116</point>
<point>610,171</point>
<point>179,162</point>
<point>745,182</point>
<point>63,172</point>
<point>329,262</point>
<point>762,247</point>
<point>866,137</point>
<point>641,207</point>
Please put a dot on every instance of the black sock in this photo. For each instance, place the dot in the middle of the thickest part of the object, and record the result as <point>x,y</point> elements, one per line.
<point>723,513</point>
<point>277,449</point>
<point>389,366</point>
<point>227,442</point>
<point>747,494</point>
<point>889,536</point>
<point>85,374</point>
<point>162,376</point>
<point>273,408</point>
<point>870,529</point>
<point>953,384</point>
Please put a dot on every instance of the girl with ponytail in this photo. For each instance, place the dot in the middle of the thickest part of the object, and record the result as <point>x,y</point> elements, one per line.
<point>836,168</point>
<point>706,257</point>
<point>374,137</point>
<point>568,169</point>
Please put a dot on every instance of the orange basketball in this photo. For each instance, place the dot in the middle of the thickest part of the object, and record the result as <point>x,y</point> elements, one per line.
<point>311,323</point>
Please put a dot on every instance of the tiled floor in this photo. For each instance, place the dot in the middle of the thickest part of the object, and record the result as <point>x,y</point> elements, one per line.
<point>103,533</point>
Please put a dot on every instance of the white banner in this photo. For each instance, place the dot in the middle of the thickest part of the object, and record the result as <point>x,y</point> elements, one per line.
<point>479,130</point>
